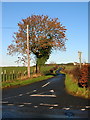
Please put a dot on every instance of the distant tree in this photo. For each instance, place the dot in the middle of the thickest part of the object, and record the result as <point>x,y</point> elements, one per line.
<point>44,33</point>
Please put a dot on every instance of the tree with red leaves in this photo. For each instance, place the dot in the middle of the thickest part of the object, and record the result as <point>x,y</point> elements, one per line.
<point>44,34</point>
<point>84,80</point>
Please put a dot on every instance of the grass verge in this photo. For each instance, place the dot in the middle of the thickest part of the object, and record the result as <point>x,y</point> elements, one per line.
<point>73,88</point>
<point>25,82</point>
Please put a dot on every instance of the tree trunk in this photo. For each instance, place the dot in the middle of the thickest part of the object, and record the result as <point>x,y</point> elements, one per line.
<point>39,69</point>
<point>36,68</point>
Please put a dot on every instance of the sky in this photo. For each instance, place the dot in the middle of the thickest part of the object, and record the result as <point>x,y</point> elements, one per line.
<point>73,15</point>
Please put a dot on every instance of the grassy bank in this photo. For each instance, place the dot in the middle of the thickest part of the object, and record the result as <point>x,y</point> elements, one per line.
<point>25,82</point>
<point>45,74</point>
<point>71,83</point>
<point>73,88</point>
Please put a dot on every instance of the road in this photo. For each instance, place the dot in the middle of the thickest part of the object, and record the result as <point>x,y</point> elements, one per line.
<point>45,99</point>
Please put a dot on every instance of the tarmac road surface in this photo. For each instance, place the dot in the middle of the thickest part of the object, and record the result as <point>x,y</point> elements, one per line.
<point>45,99</point>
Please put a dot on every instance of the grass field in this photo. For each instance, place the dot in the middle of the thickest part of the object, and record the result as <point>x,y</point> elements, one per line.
<point>22,69</point>
<point>34,78</point>
<point>12,73</point>
<point>15,69</point>
<point>69,67</point>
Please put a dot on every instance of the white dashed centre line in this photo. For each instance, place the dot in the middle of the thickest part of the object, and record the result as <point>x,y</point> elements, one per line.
<point>52,105</point>
<point>10,104</point>
<point>35,106</point>
<point>82,109</point>
<point>87,106</point>
<point>51,108</point>
<point>20,94</point>
<point>66,108</point>
<point>51,90</point>
<point>27,103</point>
<point>43,95</point>
<point>21,105</point>
<point>46,84</point>
<point>5,102</point>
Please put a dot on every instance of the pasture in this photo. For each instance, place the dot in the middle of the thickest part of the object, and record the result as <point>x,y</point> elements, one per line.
<point>13,73</point>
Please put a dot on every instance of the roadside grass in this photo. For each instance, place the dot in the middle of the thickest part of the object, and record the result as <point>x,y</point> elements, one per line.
<point>73,88</point>
<point>25,82</point>
<point>69,67</point>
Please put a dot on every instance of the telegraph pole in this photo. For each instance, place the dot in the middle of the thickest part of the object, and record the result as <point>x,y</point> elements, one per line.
<point>79,54</point>
<point>28,52</point>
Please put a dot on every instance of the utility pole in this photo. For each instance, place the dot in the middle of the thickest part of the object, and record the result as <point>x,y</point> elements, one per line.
<point>79,54</point>
<point>28,52</point>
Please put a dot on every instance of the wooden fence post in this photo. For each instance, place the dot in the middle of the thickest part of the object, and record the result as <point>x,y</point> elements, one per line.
<point>5,75</point>
<point>13,74</point>
<point>1,76</point>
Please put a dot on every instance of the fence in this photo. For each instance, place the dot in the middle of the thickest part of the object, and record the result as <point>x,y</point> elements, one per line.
<point>13,75</point>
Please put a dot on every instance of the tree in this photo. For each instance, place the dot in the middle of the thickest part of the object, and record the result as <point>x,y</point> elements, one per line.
<point>42,57</point>
<point>44,33</point>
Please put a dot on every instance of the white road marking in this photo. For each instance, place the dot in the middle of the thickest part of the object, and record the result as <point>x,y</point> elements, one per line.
<point>82,109</point>
<point>34,90</point>
<point>31,92</point>
<point>53,105</point>
<point>46,84</point>
<point>27,103</point>
<point>66,108</point>
<point>43,95</point>
<point>10,104</point>
<point>21,105</point>
<point>20,95</point>
<point>9,97</point>
<point>28,93</point>
<point>5,102</point>
<point>51,90</point>
<point>35,106</point>
<point>87,107</point>
<point>51,108</point>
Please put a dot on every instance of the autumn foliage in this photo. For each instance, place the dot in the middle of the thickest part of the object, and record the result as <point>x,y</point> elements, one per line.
<point>84,80</point>
<point>45,34</point>
<point>82,75</point>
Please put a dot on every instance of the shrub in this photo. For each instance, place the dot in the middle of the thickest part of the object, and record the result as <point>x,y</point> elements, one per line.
<point>53,69</point>
<point>76,73</point>
<point>82,75</point>
<point>85,76</point>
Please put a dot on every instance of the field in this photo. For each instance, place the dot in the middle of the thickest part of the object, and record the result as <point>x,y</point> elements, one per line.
<point>11,73</point>
<point>68,67</point>
<point>11,76</point>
